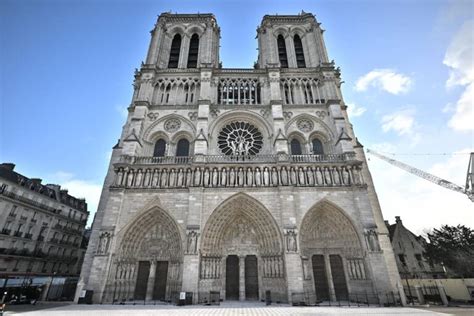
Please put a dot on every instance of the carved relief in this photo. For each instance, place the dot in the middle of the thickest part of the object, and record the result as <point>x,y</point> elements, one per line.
<point>321,114</point>
<point>172,125</point>
<point>193,116</point>
<point>191,242</point>
<point>104,243</point>
<point>290,240</point>
<point>356,269</point>
<point>372,240</point>
<point>152,116</point>
<point>287,115</point>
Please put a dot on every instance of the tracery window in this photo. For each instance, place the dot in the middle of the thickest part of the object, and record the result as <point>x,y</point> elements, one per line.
<point>182,149</point>
<point>299,52</point>
<point>240,139</point>
<point>174,52</point>
<point>193,51</point>
<point>282,51</point>
<point>296,147</point>
<point>317,147</point>
<point>160,147</point>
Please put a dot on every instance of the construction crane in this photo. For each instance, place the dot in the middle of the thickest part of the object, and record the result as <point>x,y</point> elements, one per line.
<point>468,190</point>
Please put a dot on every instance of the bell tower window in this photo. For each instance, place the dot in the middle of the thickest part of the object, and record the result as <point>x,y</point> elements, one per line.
<point>193,51</point>
<point>174,52</point>
<point>282,52</point>
<point>299,52</point>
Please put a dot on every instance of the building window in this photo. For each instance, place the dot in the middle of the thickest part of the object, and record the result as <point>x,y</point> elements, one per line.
<point>282,52</point>
<point>182,149</point>
<point>299,52</point>
<point>317,147</point>
<point>296,147</point>
<point>193,51</point>
<point>160,147</point>
<point>402,260</point>
<point>174,52</point>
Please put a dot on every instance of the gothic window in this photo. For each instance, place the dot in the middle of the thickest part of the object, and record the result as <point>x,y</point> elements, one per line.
<point>240,139</point>
<point>182,150</point>
<point>296,147</point>
<point>299,52</point>
<point>174,52</point>
<point>282,52</point>
<point>160,147</point>
<point>317,147</point>
<point>193,51</point>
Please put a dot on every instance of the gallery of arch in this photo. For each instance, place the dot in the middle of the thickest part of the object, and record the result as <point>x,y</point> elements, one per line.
<point>236,182</point>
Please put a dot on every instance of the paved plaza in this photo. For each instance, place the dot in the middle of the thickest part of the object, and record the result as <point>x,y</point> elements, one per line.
<point>227,309</point>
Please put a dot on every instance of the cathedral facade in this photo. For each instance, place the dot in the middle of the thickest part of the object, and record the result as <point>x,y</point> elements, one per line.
<point>235,182</point>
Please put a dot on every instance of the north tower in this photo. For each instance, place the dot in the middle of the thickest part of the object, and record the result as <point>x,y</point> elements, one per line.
<point>238,181</point>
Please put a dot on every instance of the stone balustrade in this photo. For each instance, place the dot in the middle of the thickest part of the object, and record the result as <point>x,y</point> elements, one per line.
<point>302,172</point>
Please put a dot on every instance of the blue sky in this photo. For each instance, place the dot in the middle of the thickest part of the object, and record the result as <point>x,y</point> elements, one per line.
<point>67,67</point>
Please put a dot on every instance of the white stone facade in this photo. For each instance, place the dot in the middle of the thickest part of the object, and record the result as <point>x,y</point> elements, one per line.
<point>238,181</point>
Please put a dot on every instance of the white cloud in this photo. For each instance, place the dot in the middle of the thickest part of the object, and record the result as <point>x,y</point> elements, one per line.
<point>385,79</point>
<point>459,58</point>
<point>420,203</point>
<point>80,189</point>
<point>355,110</point>
<point>401,122</point>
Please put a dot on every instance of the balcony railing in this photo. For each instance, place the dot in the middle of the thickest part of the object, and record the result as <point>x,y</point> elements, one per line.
<point>232,171</point>
<point>172,160</point>
<point>6,231</point>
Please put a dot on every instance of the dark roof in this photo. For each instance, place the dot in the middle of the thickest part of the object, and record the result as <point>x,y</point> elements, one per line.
<point>7,172</point>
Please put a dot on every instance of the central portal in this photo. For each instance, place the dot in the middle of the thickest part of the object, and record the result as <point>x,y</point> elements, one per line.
<point>232,278</point>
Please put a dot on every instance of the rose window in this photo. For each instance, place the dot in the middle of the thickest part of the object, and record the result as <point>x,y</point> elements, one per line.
<point>240,139</point>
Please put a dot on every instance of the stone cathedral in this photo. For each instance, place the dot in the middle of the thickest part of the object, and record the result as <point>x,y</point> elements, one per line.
<point>235,182</point>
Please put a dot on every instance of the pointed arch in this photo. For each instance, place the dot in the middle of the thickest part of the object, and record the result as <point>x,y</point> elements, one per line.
<point>174,51</point>
<point>193,51</point>
<point>151,234</point>
<point>282,55</point>
<point>223,219</point>
<point>300,61</point>
<point>326,226</point>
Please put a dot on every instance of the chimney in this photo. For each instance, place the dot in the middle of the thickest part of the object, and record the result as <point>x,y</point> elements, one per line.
<point>387,223</point>
<point>36,180</point>
<point>398,220</point>
<point>8,165</point>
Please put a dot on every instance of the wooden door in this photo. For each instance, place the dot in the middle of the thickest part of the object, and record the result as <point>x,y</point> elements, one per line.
<point>320,278</point>
<point>232,278</point>
<point>251,278</point>
<point>159,289</point>
<point>142,280</point>
<point>338,277</point>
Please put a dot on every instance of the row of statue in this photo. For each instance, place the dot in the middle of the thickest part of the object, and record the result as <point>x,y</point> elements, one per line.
<point>356,269</point>
<point>272,267</point>
<point>345,175</point>
<point>211,267</point>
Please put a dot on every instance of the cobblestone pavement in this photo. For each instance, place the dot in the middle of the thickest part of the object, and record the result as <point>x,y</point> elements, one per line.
<point>226,309</point>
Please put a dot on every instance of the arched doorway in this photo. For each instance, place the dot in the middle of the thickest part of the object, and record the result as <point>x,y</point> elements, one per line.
<point>241,252</point>
<point>148,262</point>
<point>329,247</point>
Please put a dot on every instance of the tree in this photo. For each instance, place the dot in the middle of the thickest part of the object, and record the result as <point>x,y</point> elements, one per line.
<point>452,246</point>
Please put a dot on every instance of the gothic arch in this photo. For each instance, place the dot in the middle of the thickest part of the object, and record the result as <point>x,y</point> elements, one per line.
<point>153,233</point>
<point>150,130</point>
<point>297,30</point>
<point>320,125</point>
<point>199,30</point>
<point>223,219</point>
<point>176,29</point>
<point>326,226</point>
